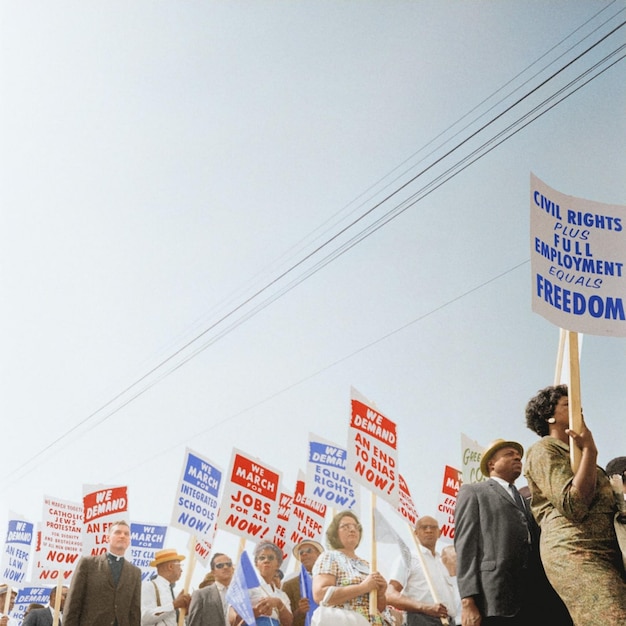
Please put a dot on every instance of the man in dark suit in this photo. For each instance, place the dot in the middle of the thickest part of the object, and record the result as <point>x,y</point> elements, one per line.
<point>44,617</point>
<point>106,589</point>
<point>493,538</point>
<point>208,605</point>
<point>306,552</point>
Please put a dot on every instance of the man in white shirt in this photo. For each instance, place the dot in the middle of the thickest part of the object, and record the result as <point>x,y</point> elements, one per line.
<point>408,589</point>
<point>159,604</point>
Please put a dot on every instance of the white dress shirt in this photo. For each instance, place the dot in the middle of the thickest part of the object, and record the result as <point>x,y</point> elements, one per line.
<point>151,611</point>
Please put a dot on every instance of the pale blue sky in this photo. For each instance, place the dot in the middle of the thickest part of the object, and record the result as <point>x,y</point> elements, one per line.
<point>162,161</point>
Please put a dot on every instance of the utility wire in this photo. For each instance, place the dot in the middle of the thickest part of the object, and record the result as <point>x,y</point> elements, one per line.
<point>334,254</point>
<point>334,220</point>
<point>329,366</point>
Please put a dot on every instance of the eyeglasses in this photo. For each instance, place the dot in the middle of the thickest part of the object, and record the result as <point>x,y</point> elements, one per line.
<point>266,557</point>
<point>306,551</point>
<point>221,565</point>
<point>349,526</point>
<point>427,527</point>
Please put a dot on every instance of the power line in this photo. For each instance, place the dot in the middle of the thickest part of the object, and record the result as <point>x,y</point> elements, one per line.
<point>344,247</point>
<point>338,361</point>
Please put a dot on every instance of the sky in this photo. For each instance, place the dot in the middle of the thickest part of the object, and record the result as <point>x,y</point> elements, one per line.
<point>180,186</point>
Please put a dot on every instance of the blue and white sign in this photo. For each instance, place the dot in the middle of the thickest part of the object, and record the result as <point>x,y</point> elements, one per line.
<point>196,503</point>
<point>578,261</point>
<point>16,551</point>
<point>326,478</point>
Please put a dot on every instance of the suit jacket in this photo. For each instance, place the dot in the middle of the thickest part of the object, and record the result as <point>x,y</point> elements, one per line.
<point>40,617</point>
<point>206,608</point>
<point>94,600</point>
<point>493,540</point>
<point>292,588</point>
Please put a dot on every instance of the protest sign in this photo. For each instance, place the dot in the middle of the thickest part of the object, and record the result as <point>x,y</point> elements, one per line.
<point>326,477</point>
<point>281,524</point>
<point>60,540</point>
<point>307,515</point>
<point>145,540</point>
<point>202,548</point>
<point>16,553</point>
<point>26,596</point>
<point>101,505</point>
<point>471,453</point>
<point>250,498</point>
<point>196,501</point>
<point>447,502</point>
<point>372,449</point>
<point>406,506</point>
<point>578,261</point>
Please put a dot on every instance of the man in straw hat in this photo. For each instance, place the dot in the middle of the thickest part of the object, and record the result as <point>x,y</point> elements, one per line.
<point>493,537</point>
<point>159,604</point>
<point>306,552</point>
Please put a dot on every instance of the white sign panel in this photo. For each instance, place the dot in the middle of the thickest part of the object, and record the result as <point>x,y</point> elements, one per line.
<point>578,261</point>
<point>60,543</point>
<point>327,479</point>
<point>196,502</point>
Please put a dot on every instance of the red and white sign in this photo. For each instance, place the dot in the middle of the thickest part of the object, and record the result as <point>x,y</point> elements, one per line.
<point>452,479</point>
<point>372,450</point>
<point>250,500</point>
<point>307,516</point>
<point>101,506</point>
<point>59,541</point>
<point>406,508</point>
<point>281,524</point>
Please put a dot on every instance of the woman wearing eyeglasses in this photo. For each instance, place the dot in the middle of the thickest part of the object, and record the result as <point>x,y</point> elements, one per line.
<point>343,580</point>
<point>270,604</point>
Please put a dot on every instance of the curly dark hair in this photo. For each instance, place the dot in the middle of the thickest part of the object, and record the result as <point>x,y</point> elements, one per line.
<point>332,533</point>
<point>540,408</point>
<point>268,545</point>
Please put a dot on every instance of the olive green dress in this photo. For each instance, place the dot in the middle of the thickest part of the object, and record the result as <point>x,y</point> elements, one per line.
<point>578,545</point>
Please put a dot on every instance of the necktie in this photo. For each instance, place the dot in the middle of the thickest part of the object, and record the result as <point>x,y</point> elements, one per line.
<point>517,497</point>
<point>224,603</point>
<point>174,598</point>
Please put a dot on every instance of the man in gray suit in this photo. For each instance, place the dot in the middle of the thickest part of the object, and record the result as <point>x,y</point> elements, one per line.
<point>493,539</point>
<point>106,589</point>
<point>44,617</point>
<point>208,605</point>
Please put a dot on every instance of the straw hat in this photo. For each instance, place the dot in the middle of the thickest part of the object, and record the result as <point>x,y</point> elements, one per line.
<point>165,555</point>
<point>492,448</point>
<point>304,542</point>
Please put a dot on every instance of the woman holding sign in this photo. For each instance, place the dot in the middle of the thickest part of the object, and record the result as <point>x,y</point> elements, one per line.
<point>270,604</point>
<point>342,581</point>
<point>575,511</point>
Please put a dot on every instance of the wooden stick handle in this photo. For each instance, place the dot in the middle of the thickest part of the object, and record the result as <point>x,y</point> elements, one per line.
<point>575,411</point>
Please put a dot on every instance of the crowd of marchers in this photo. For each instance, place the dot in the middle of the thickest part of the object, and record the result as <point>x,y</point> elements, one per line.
<point>549,554</point>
